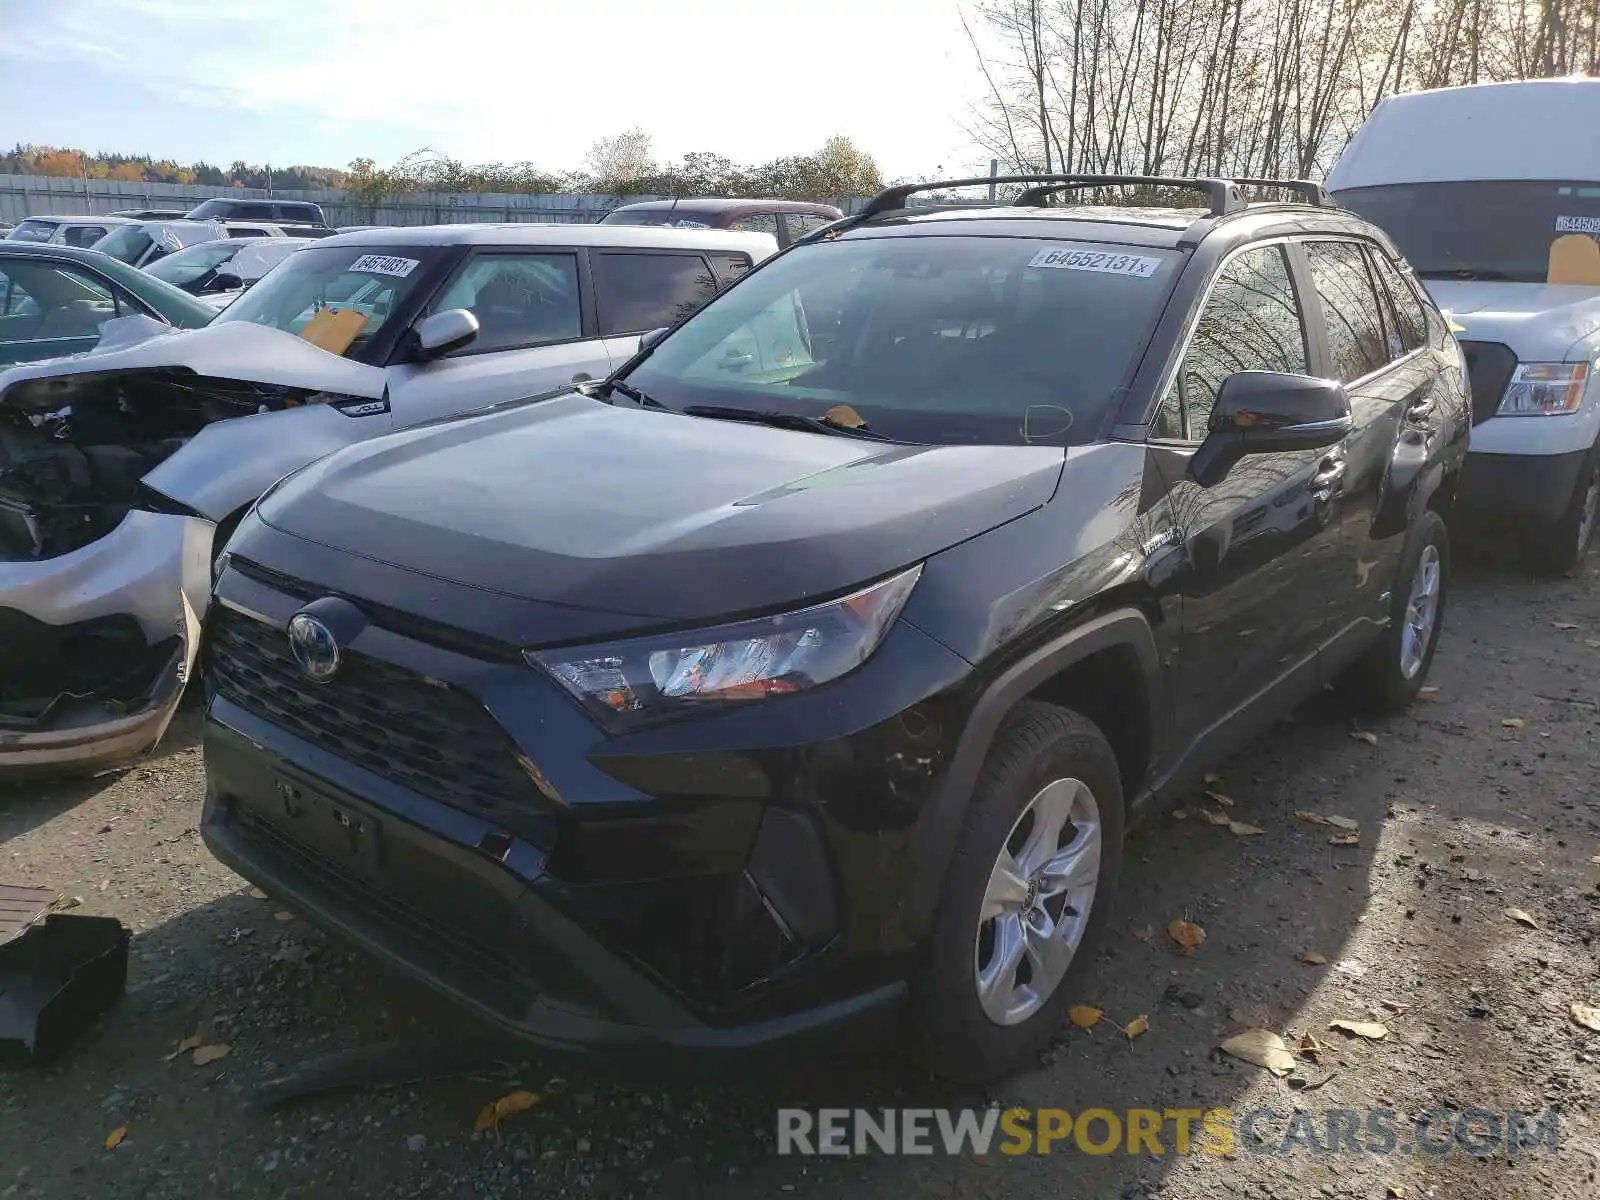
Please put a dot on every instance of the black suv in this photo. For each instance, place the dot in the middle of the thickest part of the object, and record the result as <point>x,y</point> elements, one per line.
<point>225,208</point>
<point>809,671</point>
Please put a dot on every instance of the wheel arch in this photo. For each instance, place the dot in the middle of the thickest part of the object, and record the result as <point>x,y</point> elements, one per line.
<point>1109,663</point>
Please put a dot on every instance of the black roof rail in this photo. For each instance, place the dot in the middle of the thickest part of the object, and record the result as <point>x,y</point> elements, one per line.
<point>1312,193</point>
<point>1221,195</point>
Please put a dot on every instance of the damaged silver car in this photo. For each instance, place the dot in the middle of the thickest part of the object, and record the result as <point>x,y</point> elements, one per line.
<point>123,470</point>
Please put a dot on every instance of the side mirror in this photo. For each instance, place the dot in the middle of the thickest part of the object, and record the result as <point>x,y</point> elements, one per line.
<point>225,281</point>
<point>442,332</point>
<point>1260,412</point>
<point>646,340</point>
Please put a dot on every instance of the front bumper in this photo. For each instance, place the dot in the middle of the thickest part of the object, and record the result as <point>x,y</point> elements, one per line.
<point>460,817</point>
<point>151,578</point>
<point>1518,487</point>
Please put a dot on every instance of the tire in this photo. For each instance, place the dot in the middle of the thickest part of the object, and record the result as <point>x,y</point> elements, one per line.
<point>1043,758</point>
<point>1388,676</point>
<point>1561,549</point>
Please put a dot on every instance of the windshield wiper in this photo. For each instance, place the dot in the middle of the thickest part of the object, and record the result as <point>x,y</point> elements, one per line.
<point>644,399</point>
<point>1465,273</point>
<point>783,420</point>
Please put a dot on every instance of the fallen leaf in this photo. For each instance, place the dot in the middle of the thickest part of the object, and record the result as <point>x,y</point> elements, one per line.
<point>1213,777</point>
<point>283,915</point>
<point>189,1043</point>
<point>1563,624</point>
<point>1187,934</point>
<point>844,415</point>
<point>1240,829</point>
<point>1371,1030</point>
<point>1522,918</point>
<point>1311,818</point>
<point>1365,735</point>
<point>496,1111</point>
<point>1312,958</point>
<point>1145,932</point>
<point>1513,722</point>
<point>1592,643</point>
<point>114,1138</point>
<point>1345,839</point>
<point>1216,818</point>
<point>1310,1047</point>
<point>210,1054</point>
<point>1262,1048</point>
<point>1084,1016</point>
<point>1225,801</point>
<point>1395,1192</point>
<point>1180,814</point>
<point>1587,1015</point>
<point>1136,1026</point>
<point>1342,822</point>
<point>257,894</point>
<point>1595,859</point>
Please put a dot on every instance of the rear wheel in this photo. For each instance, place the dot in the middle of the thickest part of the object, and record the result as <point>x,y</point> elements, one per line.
<point>1390,674</point>
<point>1561,549</point>
<point>1026,895</point>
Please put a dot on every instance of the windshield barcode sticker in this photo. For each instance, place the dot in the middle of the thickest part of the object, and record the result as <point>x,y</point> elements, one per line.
<point>1578,224</point>
<point>383,264</point>
<point>1138,265</point>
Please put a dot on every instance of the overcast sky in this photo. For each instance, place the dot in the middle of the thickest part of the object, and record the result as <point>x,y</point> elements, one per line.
<point>488,80</point>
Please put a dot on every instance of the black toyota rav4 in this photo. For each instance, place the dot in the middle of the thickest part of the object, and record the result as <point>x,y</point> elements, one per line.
<point>808,672</point>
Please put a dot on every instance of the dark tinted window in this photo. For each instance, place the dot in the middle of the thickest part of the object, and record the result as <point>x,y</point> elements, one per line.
<point>1349,307</point>
<point>640,292</point>
<point>1410,322</point>
<point>728,266</point>
<point>239,233</point>
<point>1251,322</point>
<point>298,212</point>
<point>1483,230</point>
<point>951,339</point>
<point>519,300</point>
<point>82,235</point>
<point>757,223</point>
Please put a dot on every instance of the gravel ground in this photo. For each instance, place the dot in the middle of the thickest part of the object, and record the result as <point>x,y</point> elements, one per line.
<point>1463,814</point>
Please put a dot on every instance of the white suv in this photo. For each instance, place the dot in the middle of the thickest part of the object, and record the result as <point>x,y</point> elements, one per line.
<point>122,470</point>
<point>1495,200</point>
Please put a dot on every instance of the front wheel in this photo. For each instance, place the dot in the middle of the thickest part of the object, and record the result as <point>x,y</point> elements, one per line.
<point>1389,675</point>
<point>1025,897</point>
<point>1561,549</point>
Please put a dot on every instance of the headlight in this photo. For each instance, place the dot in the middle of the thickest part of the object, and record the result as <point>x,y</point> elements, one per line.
<point>1544,390</point>
<point>630,683</point>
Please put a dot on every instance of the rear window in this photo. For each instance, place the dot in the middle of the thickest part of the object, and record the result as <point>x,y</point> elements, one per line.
<point>1494,230</point>
<point>665,217</point>
<point>930,339</point>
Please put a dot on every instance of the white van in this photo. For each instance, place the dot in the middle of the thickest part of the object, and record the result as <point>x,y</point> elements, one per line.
<point>1493,194</point>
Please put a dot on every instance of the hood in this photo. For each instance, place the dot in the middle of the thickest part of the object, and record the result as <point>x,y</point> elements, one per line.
<point>666,517</point>
<point>1541,322</point>
<point>249,353</point>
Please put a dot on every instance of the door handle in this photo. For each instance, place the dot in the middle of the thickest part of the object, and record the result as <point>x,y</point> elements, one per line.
<point>1327,479</point>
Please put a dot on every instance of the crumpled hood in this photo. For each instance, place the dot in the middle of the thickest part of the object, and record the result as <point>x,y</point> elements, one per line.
<point>251,353</point>
<point>575,502</point>
<point>1542,322</point>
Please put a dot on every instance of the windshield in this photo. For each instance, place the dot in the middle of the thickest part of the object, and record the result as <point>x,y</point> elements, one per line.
<point>321,283</point>
<point>940,339</point>
<point>33,231</point>
<point>125,242</point>
<point>1479,230</point>
<point>192,263</point>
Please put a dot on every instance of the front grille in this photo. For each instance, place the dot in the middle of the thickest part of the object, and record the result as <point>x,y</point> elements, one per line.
<point>1489,369</point>
<point>422,734</point>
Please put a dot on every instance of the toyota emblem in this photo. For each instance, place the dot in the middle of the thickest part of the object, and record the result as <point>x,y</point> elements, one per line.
<point>315,648</point>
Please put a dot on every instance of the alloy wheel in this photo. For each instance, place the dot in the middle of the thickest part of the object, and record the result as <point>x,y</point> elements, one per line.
<point>1036,907</point>
<point>1422,611</point>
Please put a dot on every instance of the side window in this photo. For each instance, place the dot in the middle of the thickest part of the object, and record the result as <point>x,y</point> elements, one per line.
<point>757,223</point>
<point>800,224</point>
<point>294,212</point>
<point>239,231</point>
<point>638,292</point>
<point>19,311</point>
<point>1410,322</point>
<point>1356,339</point>
<point>727,266</point>
<point>1251,322</point>
<point>251,212</point>
<point>519,299</point>
<point>82,235</point>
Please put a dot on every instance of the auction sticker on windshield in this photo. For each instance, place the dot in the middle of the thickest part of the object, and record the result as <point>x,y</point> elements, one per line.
<point>1138,265</point>
<point>383,264</point>
<point>1578,224</point>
